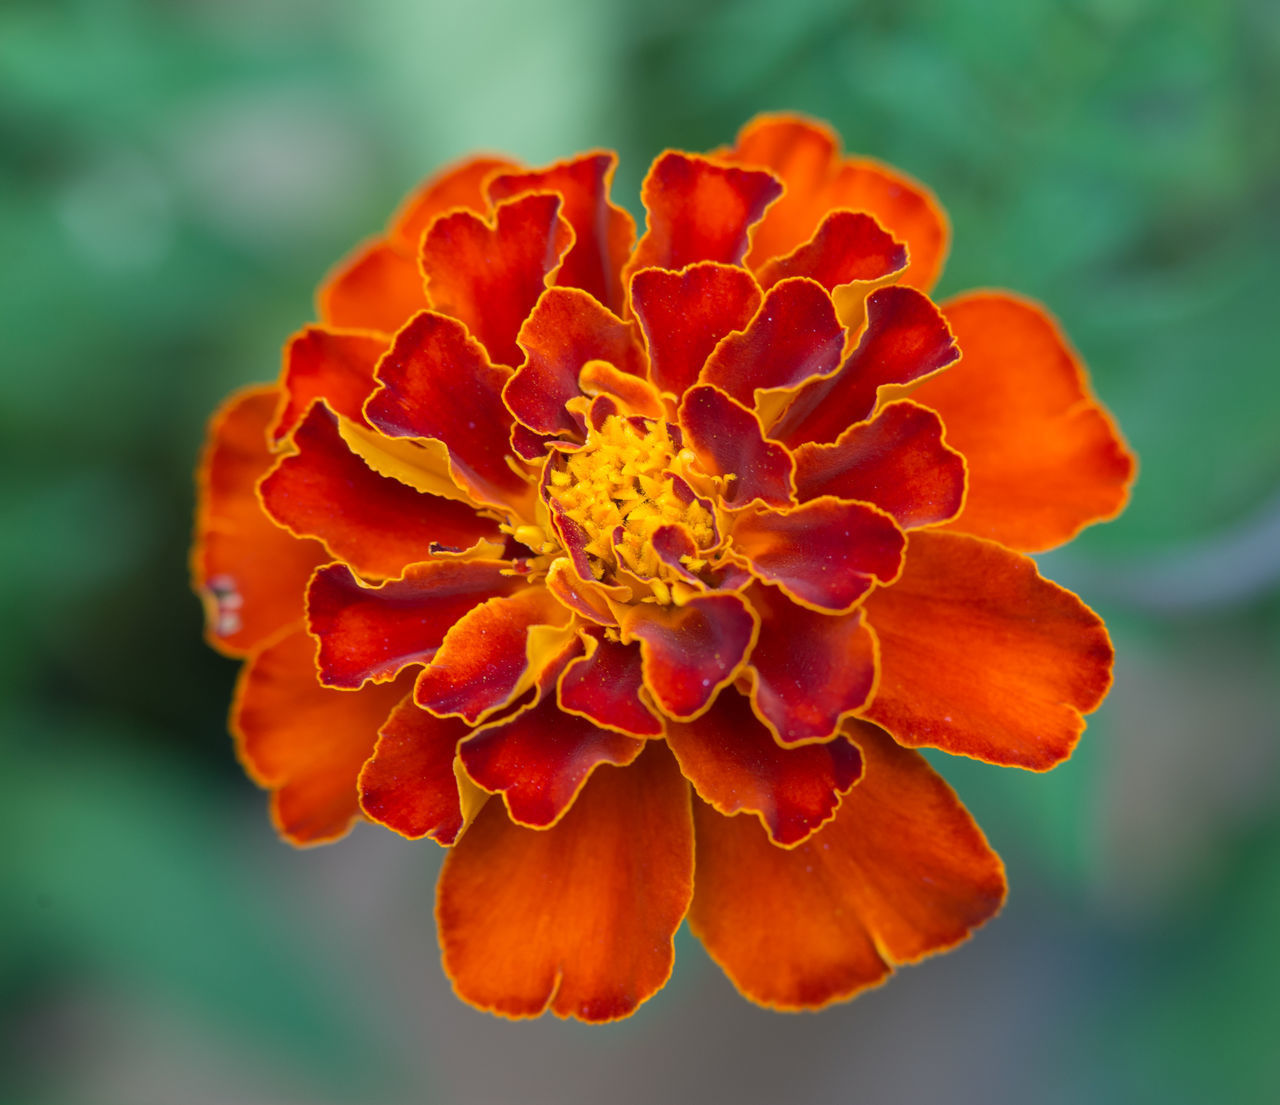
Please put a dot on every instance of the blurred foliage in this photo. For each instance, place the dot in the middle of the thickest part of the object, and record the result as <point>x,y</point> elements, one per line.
<point>175,177</point>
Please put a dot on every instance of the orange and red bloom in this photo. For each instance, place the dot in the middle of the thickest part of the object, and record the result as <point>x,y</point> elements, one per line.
<point>634,572</point>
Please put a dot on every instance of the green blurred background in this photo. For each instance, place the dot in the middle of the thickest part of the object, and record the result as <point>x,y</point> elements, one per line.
<point>176,178</point>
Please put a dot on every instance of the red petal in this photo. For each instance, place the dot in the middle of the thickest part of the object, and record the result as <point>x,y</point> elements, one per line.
<point>578,918</point>
<point>605,687</point>
<point>1045,459</point>
<point>436,382</point>
<point>849,246</point>
<point>690,652</point>
<point>735,764</point>
<point>982,657</point>
<point>567,329</point>
<point>603,232</point>
<point>459,185</point>
<point>377,288</point>
<point>699,211</point>
<point>825,553</point>
<point>811,670</point>
<point>373,632</point>
<point>684,315</point>
<point>250,573</point>
<point>897,461</point>
<point>409,785</point>
<point>377,525</point>
<point>585,597</point>
<point>730,441</point>
<point>794,335</point>
<point>490,276</point>
<point>330,365</point>
<point>901,872</point>
<point>906,338</point>
<point>303,741</point>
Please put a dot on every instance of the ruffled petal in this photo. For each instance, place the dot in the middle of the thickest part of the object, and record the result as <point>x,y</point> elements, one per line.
<point>410,785</point>
<point>249,572</point>
<point>603,232</point>
<point>1045,459</point>
<point>489,276</point>
<point>826,553</point>
<point>304,742</point>
<point>898,461</point>
<point>684,314</point>
<point>578,918</point>
<point>810,670</point>
<point>902,872</point>
<point>437,382</point>
<point>605,686</point>
<point>735,765</point>
<point>377,525</point>
<point>730,442</point>
<point>848,247</point>
<point>376,288</point>
<point>334,365</point>
<point>372,633</point>
<point>980,656</point>
<point>690,652</point>
<point>460,185</point>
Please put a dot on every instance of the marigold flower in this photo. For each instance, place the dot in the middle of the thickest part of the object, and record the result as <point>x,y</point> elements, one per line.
<point>601,562</point>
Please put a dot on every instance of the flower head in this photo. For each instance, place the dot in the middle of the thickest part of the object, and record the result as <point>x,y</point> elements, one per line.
<point>595,561</point>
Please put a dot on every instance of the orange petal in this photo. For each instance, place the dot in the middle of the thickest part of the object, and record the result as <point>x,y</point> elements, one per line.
<point>982,657</point>
<point>897,461</point>
<point>377,288</point>
<point>566,330</point>
<point>848,247</point>
<point>810,670</point>
<point>730,442</point>
<point>825,554</point>
<point>462,184</point>
<point>690,652</point>
<point>684,315</point>
<point>437,382</point>
<point>377,525</point>
<point>735,764</point>
<point>699,211</point>
<point>489,275</point>
<point>794,335</point>
<point>409,784</point>
<point>303,741</point>
<point>1045,459</point>
<point>332,365</point>
<point>901,872</point>
<point>577,918</point>
<point>605,686</point>
<point>603,232</point>
<point>374,632</point>
<point>250,573</point>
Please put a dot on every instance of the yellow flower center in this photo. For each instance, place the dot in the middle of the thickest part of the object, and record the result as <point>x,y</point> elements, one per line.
<point>629,479</point>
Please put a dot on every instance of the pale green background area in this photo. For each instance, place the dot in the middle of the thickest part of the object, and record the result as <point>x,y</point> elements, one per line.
<point>176,176</point>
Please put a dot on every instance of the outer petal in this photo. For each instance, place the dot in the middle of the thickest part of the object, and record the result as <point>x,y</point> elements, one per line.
<point>332,365</point>
<point>848,247</point>
<point>377,525</point>
<point>982,657</point>
<point>603,232</point>
<point>578,918</point>
<point>826,553</point>
<point>373,632</point>
<point>462,184</point>
<point>305,742</point>
<point>901,872</point>
<point>490,276</point>
<point>811,670</point>
<point>684,315</point>
<point>735,764</point>
<point>898,461</point>
<point>436,382</point>
<point>605,686</point>
<point>376,288</point>
<point>409,785</point>
<point>250,573</point>
<point>699,211</point>
<point>1045,459</point>
<point>730,442</point>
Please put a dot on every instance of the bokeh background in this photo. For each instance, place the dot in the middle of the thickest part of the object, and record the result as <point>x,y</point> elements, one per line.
<point>178,174</point>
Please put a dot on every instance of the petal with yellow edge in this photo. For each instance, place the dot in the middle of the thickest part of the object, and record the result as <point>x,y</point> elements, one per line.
<point>376,288</point>
<point>463,184</point>
<point>334,365</point>
<point>848,247</point>
<point>605,686</point>
<point>730,442</point>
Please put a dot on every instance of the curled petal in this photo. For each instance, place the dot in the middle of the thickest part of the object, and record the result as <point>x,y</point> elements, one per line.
<point>1045,459</point>
<point>250,573</point>
<point>848,247</point>
<point>304,742</point>
<point>374,632</point>
<point>605,686</point>
<point>690,652</point>
<point>633,393</point>
<point>980,656</point>
<point>735,765</point>
<point>826,553</point>
<point>730,442</point>
<point>900,873</point>
<point>461,185</point>
<point>585,596</point>
<point>376,288</point>
<point>578,918</point>
<point>332,365</point>
<point>898,461</point>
